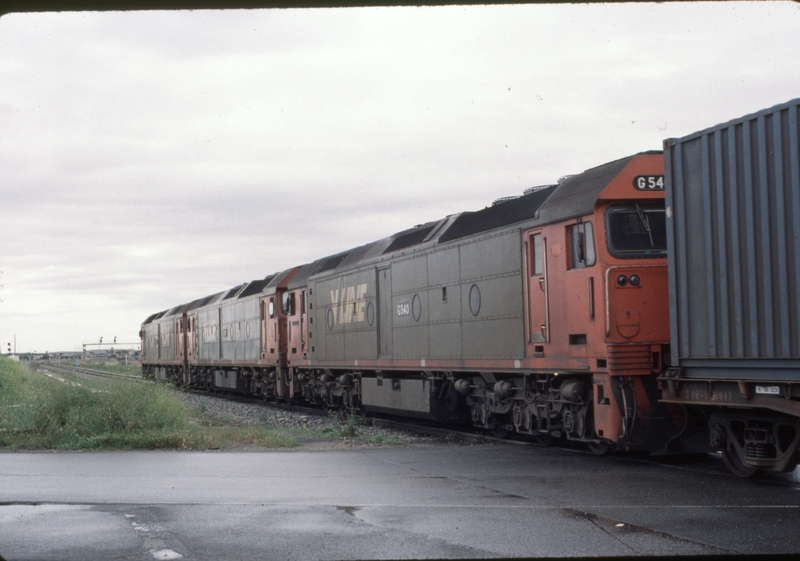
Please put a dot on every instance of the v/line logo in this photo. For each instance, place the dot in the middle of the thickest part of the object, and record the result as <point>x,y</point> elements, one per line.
<point>348,304</point>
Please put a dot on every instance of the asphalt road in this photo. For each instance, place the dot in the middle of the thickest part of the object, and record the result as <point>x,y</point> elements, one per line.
<point>452,501</point>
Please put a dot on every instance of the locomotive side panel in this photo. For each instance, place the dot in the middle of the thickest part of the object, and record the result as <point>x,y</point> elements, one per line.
<point>327,332</point>
<point>444,269</point>
<point>444,301</point>
<point>208,334</point>
<point>410,332</point>
<point>150,343</point>
<point>240,336</point>
<point>493,322</point>
<point>168,335</point>
<point>492,297</point>
<point>251,317</point>
<point>461,303</point>
<point>357,305</point>
<point>385,312</point>
<point>344,311</point>
<point>228,331</point>
<point>410,308</point>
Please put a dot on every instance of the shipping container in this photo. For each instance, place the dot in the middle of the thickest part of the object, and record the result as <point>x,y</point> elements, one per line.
<point>733,227</point>
<point>733,208</point>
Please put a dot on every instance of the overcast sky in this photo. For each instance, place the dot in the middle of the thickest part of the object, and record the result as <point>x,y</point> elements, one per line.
<point>151,158</point>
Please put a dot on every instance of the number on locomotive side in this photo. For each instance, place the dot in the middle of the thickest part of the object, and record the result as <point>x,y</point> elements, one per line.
<point>404,309</point>
<point>649,182</point>
<point>768,390</point>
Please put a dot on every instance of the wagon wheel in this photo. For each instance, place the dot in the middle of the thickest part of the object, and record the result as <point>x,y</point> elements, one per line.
<point>735,464</point>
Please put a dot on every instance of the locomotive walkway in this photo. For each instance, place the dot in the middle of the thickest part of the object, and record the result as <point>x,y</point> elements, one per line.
<point>455,501</point>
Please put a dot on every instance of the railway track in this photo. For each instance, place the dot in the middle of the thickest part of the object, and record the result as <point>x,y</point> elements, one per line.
<point>710,464</point>
<point>93,372</point>
<point>420,427</point>
<point>415,427</point>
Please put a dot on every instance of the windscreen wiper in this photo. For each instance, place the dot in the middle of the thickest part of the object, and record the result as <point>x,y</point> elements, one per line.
<point>645,223</point>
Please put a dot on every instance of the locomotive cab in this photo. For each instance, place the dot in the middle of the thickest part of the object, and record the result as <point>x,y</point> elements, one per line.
<point>597,306</point>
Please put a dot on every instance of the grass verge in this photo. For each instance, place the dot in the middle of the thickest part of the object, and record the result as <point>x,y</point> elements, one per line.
<point>37,412</point>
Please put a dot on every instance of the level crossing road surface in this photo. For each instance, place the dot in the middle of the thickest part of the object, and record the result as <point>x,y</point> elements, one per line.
<point>446,501</point>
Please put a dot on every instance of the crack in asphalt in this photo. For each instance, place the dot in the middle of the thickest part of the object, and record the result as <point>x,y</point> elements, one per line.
<point>613,528</point>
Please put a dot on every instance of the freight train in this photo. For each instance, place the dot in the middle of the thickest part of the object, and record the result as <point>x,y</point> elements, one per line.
<point>650,303</point>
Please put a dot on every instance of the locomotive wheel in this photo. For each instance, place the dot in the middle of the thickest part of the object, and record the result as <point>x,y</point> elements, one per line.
<point>735,464</point>
<point>598,448</point>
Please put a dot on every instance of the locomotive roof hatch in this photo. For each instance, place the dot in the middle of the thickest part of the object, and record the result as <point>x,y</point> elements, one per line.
<point>175,310</point>
<point>411,237</point>
<point>256,286</point>
<point>356,255</point>
<point>331,262</point>
<point>234,291</point>
<point>344,259</point>
<point>518,209</point>
<point>209,299</point>
<point>153,317</point>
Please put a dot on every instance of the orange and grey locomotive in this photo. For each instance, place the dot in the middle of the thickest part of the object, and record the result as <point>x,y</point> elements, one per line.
<point>543,315</point>
<point>553,315</point>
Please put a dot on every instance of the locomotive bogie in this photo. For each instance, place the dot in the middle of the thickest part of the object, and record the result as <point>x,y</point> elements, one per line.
<point>750,441</point>
<point>754,423</point>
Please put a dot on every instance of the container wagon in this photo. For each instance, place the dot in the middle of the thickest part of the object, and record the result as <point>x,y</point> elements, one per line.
<point>733,239</point>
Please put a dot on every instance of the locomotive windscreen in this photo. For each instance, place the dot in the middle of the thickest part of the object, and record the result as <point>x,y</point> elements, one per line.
<point>636,231</point>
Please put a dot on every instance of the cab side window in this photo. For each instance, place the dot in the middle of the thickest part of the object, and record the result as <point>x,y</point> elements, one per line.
<point>581,245</point>
<point>288,303</point>
<point>537,256</point>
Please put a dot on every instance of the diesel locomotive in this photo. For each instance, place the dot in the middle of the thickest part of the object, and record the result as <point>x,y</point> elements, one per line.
<point>550,315</point>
